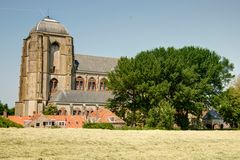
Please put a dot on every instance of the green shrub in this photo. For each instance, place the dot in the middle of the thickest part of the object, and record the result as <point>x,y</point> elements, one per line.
<point>50,109</point>
<point>98,125</point>
<point>6,123</point>
<point>161,117</point>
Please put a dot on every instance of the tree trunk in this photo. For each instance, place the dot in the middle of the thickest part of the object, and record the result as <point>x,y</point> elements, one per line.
<point>133,121</point>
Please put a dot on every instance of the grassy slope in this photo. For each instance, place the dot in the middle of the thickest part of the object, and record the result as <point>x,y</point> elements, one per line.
<point>114,144</point>
<point>6,123</point>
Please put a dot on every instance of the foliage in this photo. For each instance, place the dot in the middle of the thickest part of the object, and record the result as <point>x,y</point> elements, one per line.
<point>182,120</point>
<point>4,107</point>
<point>188,78</point>
<point>230,105</point>
<point>162,116</point>
<point>6,123</point>
<point>98,125</point>
<point>50,110</point>
<point>11,111</point>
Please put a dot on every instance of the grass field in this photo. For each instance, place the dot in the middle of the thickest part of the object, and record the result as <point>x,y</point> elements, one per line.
<point>117,144</point>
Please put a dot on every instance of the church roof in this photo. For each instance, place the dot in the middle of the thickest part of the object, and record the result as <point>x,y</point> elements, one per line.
<point>77,96</point>
<point>51,26</point>
<point>87,63</point>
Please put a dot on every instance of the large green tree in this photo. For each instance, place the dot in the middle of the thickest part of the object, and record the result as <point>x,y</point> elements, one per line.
<point>187,78</point>
<point>229,104</point>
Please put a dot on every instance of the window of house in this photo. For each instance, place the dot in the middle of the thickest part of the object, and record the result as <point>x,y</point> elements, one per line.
<point>74,112</point>
<point>53,85</point>
<point>61,123</point>
<point>91,84</point>
<point>87,114</point>
<point>76,64</point>
<point>59,112</point>
<point>37,124</point>
<point>55,57</point>
<point>79,83</point>
<point>48,123</point>
<point>62,111</point>
<point>26,122</point>
<point>103,85</point>
<point>112,119</point>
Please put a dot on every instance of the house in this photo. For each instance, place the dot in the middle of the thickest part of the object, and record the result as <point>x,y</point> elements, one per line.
<point>212,120</point>
<point>101,115</point>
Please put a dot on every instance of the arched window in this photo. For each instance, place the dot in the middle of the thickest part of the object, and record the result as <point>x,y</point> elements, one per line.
<point>55,57</point>
<point>103,86</point>
<point>79,83</point>
<point>53,85</point>
<point>91,84</point>
<point>77,111</point>
<point>62,111</point>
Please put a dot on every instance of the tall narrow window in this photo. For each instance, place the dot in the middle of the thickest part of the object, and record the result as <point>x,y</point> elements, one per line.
<point>53,85</point>
<point>55,57</point>
<point>91,84</point>
<point>79,83</point>
<point>103,84</point>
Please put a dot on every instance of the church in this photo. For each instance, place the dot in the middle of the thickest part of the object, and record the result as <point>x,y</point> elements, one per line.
<point>51,73</point>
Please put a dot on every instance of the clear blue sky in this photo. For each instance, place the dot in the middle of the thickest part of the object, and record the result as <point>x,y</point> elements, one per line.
<point>119,28</point>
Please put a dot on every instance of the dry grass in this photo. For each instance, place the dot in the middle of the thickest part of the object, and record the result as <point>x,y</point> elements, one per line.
<point>112,144</point>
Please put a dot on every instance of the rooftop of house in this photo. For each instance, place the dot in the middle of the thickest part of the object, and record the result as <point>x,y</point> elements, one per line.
<point>76,96</point>
<point>102,115</point>
<point>87,63</point>
<point>212,114</point>
<point>70,120</point>
<point>106,116</point>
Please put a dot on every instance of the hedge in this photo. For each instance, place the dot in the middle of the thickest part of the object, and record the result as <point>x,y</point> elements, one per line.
<point>98,125</point>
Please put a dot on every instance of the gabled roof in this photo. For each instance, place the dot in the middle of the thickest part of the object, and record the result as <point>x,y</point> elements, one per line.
<point>71,121</point>
<point>19,119</point>
<point>77,96</point>
<point>87,63</point>
<point>106,116</point>
<point>212,114</point>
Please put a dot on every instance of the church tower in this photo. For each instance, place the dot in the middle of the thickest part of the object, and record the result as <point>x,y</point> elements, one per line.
<point>46,66</point>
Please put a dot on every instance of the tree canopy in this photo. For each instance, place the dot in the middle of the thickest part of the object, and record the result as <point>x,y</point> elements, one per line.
<point>186,78</point>
<point>229,104</point>
<point>4,107</point>
<point>50,109</point>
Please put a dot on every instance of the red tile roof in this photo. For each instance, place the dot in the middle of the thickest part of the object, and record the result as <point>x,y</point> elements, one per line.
<point>106,116</point>
<point>72,121</point>
<point>19,119</point>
